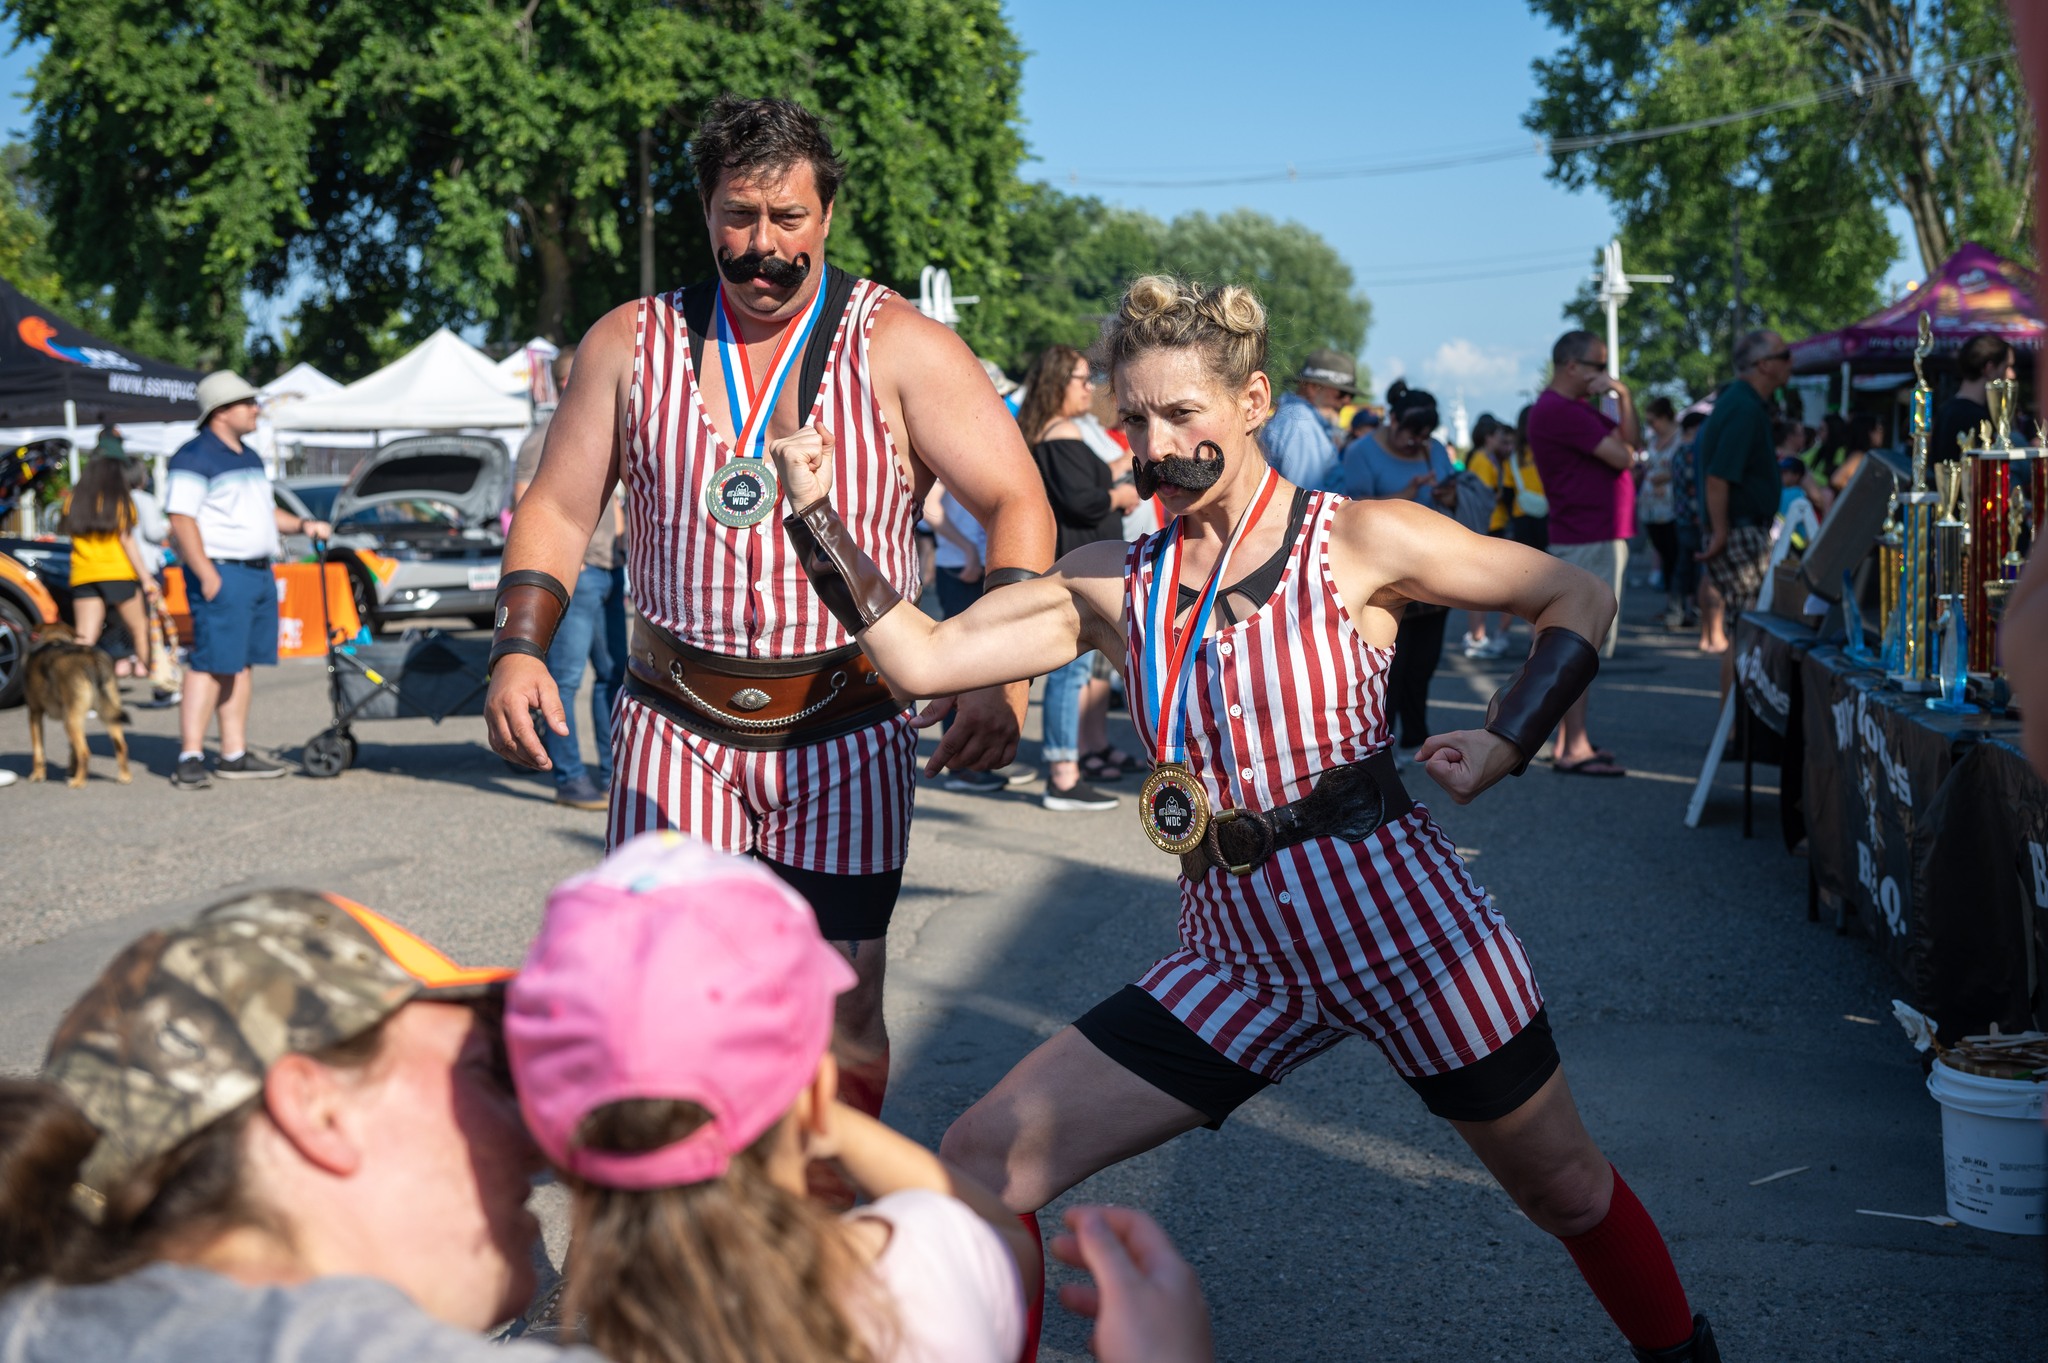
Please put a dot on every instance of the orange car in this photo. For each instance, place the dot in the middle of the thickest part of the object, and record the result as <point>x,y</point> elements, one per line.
<point>25,606</point>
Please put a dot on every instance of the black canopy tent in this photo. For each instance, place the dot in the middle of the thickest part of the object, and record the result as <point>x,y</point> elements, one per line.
<point>46,364</point>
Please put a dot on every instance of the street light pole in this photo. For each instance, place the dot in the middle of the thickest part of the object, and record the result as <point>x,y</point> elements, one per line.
<point>1614,287</point>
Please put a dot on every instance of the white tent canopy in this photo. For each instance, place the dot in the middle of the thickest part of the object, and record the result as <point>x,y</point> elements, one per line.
<point>442,384</point>
<point>517,368</point>
<point>296,384</point>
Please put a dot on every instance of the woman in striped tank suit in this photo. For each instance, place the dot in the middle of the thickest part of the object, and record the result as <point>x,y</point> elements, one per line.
<point>1318,901</point>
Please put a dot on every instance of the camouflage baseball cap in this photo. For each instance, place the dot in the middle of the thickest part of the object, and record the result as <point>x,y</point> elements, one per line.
<point>180,1029</point>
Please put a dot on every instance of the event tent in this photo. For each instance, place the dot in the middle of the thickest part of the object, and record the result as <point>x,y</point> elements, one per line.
<point>296,384</point>
<point>442,384</point>
<point>1974,292</point>
<point>528,369</point>
<point>51,374</point>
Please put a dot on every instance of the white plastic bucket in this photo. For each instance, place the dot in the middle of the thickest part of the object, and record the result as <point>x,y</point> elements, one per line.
<point>1994,1150</point>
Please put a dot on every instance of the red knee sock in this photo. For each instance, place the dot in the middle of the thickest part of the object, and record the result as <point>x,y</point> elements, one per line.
<point>1626,1263</point>
<point>1034,1308</point>
<point>863,1084</point>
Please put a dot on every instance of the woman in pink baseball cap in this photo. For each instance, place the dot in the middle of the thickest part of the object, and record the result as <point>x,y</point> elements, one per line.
<point>670,1035</point>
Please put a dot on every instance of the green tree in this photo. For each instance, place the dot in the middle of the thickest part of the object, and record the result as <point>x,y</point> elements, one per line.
<point>1074,255</point>
<point>1789,206</point>
<point>475,162</point>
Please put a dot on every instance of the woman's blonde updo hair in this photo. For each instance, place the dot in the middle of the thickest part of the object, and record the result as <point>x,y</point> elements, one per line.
<point>1162,312</point>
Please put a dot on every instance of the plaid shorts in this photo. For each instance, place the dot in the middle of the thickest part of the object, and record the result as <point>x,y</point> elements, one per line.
<point>1737,572</point>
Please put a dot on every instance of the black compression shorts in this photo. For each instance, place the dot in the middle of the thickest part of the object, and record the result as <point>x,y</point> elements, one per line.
<point>849,908</point>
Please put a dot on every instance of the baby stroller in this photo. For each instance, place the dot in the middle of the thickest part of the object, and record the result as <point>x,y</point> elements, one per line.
<point>426,673</point>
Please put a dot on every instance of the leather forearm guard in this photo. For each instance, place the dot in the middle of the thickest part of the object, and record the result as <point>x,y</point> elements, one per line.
<point>846,579</point>
<point>1004,577</point>
<point>530,606</point>
<point>1526,711</point>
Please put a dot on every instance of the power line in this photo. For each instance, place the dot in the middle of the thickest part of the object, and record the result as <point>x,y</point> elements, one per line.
<point>1539,146</point>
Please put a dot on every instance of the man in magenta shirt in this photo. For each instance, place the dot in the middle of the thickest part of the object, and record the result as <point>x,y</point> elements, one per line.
<point>1585,458</point>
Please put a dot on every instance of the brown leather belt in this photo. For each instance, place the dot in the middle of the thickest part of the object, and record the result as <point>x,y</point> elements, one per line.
<point>759,704</point>
<point>1350,802</point>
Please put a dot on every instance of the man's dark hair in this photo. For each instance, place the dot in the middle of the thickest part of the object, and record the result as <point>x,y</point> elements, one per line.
<point>1660,406</point>
<point>1982,354</point>
<point>762,134</point>
<point>1571,346</point>
<point>1692,421</point>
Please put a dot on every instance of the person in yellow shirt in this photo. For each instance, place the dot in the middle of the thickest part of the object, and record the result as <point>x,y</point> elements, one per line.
<point>106,562</point>
<point>1518,511</point>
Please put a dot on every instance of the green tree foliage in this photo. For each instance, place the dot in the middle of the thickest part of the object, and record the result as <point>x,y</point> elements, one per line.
<point>475,162</point>
<point>1793,200</point>
<point>1073,256</point>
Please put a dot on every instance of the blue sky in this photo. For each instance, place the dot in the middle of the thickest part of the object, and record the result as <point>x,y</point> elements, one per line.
<point>1467,268</point>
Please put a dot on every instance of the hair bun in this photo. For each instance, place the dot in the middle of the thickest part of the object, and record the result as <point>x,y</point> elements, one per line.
<point>1162,312</point>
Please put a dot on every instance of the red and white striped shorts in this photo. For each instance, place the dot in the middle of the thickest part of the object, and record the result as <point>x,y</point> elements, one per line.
<point>841,807</point>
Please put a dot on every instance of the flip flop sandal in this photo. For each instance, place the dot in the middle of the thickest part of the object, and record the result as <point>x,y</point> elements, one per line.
<point>1587,768</point>
<point>1100,766</point>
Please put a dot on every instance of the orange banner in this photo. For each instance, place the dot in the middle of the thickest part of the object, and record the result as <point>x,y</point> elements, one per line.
<point>301,629</point>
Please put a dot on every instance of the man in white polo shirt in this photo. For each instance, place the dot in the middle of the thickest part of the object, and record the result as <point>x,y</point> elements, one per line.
<point>225,524</point>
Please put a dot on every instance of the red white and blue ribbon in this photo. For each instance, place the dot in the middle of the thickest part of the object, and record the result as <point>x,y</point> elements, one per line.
<point>1167,664</point>
<point>753,404</point>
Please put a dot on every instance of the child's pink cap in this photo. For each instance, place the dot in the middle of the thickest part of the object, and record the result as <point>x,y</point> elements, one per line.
<point>670,971</point>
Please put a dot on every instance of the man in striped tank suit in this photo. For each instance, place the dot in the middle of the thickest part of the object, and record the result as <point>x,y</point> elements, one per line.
<point>749,718</point>
<point>1318,900</point>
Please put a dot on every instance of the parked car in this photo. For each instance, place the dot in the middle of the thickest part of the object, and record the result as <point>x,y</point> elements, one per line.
<point>428,507</point>
<point>26,605</point>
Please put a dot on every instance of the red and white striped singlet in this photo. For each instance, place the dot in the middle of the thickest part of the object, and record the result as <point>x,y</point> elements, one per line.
<point>740,591</point>
<point>841,806</point>
<point>1388,938</point>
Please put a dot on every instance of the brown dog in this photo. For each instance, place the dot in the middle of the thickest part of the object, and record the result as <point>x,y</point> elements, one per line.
<point>69,679</point>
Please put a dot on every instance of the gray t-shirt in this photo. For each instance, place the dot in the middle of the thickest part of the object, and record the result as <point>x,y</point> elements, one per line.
<point>170,1313</point>
<point>602,550</point>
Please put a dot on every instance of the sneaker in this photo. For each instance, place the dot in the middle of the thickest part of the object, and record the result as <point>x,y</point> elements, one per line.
<point>976,782</point>
<point>1495,647</point>
<point>1018,774</point>
<point>191,774</point>
<point>1475,646</point>
<point>247,767</point>
<point>583,793</point>
<point>7,778</point>
<point>160,700</point>
<point>1078,796</point>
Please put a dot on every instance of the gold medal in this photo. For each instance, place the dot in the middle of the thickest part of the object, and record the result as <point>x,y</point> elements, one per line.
<point>1173,808</point>
<point>741,493</point>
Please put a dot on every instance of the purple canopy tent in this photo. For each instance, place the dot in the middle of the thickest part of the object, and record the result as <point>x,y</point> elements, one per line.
<point>1973,293</point>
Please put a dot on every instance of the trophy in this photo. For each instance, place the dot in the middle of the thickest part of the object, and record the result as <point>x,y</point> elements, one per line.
<point>1889,557</point>
<point>1997,479</point>
<point>1913,607</point>
<point>1953,632</point>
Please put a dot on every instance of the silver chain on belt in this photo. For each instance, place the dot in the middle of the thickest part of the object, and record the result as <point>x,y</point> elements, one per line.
<point>675,674</point>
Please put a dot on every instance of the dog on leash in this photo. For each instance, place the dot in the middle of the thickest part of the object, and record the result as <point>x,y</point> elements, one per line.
<point>69,679</point>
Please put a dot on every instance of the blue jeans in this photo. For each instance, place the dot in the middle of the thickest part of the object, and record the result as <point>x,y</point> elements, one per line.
<point>593,630</point>
<point>1062,709</point>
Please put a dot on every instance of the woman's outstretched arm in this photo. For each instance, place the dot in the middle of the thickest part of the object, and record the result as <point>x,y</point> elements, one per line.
<point>1014,632</point>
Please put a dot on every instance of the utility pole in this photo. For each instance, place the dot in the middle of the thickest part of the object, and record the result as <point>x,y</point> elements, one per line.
<point>646,212</point>
<point>1614,287</point>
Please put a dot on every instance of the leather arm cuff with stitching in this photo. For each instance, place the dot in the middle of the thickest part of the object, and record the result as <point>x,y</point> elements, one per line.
<point>1526,711</point>
<point>530,607</point>
<point>846,579</point>
<point>1004,577</point>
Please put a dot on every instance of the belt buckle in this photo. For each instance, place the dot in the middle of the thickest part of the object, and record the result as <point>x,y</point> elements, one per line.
<point>1225,816</point>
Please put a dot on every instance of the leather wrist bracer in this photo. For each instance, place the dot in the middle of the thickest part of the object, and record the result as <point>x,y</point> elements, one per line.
<point>1004,577</point>
<point>846,579</point>
<point>1526,711</point>
<point>529,608</point>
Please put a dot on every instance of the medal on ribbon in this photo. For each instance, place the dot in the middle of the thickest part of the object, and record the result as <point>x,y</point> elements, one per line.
<point>742,491</point>
<point>1173,808</point>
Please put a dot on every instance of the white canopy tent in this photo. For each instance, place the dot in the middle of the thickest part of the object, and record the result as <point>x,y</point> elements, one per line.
<point>442,384</point>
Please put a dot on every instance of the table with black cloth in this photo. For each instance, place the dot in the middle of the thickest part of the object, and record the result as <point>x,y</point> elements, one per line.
<point>1929,827</point>
<point>1768,654</point>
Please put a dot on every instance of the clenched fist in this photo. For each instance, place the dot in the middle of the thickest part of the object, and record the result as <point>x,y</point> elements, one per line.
<point>805,462</point>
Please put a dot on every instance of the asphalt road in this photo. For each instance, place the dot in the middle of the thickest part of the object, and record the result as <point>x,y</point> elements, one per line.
<point>1712,1035</point>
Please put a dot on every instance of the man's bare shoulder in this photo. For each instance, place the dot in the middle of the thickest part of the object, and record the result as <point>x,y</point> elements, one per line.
<point>903,335</point>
